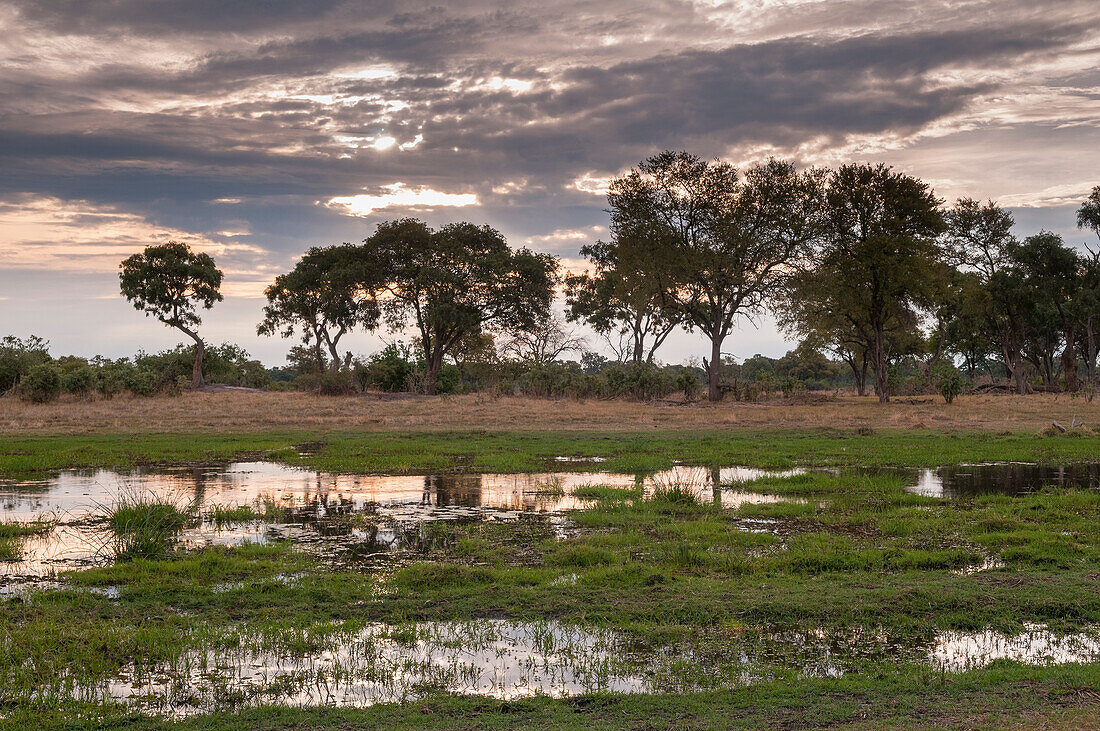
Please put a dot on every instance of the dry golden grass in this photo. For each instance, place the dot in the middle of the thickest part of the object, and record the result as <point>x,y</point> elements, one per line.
<point>260,411</point>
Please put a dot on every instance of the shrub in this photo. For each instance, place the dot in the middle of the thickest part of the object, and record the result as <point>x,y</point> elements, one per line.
<point>329,383</point>
<point>79,381</point>
<point>948,382</point>
<point>18,357</point>
<point>41,384</point>
<point>110,379</point>
<point>141,382</point>
<point>688,383</point>
<point>390,369</point>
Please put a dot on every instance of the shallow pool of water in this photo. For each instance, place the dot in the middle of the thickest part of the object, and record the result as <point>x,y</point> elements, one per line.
<point>76,498</point>
<point>506,660</point>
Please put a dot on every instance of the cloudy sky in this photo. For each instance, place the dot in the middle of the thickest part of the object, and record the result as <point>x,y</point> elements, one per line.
<point>253,130</point>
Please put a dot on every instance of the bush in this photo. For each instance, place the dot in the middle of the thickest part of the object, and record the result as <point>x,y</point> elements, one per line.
<point>110,378</point>
<point>79,381</point>
<point>689,384</point>
<point>390,369</point>
<point>641,381</point>
<point>41,384</point>
<point>948,382</point>
<point>18,357</point>
<point>329,383</point>
<point>142,382</point>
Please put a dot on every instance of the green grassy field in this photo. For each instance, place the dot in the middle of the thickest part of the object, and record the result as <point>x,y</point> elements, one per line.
<point>506,451</point>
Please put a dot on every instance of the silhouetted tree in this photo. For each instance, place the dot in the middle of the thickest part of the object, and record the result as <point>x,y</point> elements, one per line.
<point>1051,269</point>
<point>624,307</point>
<point>455,282</point>
<point>329,292</point>
<point>881,251</point>
<point>167,281</point>
<point>718,246</point>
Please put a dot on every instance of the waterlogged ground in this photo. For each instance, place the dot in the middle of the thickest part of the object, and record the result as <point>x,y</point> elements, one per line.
<point>295,588</point>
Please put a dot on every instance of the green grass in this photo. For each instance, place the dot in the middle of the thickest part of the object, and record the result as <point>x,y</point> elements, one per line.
<point>504,451</point>
<point>143,526</point>
<point>13,533</point>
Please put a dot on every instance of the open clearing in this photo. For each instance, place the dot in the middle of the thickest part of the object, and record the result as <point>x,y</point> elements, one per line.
<point>267,411</point>
<point>318,570</point>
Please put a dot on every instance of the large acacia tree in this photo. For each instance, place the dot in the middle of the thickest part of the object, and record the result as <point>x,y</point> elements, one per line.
<point>718,244</point>
<point>456,282</point>
<point>882,249</point>
<point>329,292</point>
<point>167,281</point>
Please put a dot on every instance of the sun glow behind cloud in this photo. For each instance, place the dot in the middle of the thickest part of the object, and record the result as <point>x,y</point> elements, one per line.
<point>398,195</point>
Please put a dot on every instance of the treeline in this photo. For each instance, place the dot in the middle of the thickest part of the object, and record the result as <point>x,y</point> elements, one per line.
<point>28,370</point>
<point>863,264</point>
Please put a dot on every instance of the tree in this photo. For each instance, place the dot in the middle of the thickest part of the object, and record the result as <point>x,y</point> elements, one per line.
<point>995,300</point>
<point>167,281</point>
<point>717,246</point>
<point>624,307</point>
<point>1051,268</point>
<point>979,237</point>
<point>457,281</point>
<point>882,250</point>
<point>820,309</point>
<point>1088,216</point>
<point>545,343</point>
<point>329,292</point>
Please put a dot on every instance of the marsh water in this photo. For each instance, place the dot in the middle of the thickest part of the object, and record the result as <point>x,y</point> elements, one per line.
<point>499,658</point>
<point>508,660</point>
<point>76,500</point>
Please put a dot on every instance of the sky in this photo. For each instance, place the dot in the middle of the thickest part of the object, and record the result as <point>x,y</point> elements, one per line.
<point>254,130</point>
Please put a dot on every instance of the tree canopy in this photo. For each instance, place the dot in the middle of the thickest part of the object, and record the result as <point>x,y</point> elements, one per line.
<point>456,281</point>
<point>167,281</point>
<point>329,292</point>
<point>717,244</point>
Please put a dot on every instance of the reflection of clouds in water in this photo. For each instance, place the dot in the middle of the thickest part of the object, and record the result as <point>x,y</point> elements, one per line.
<point>382,663</point>
<point>398,500</point>
<point>1036,645</point>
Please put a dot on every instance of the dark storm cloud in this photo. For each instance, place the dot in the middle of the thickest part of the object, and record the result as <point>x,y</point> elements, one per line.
<point>781,91</point>
<point>159,17</point>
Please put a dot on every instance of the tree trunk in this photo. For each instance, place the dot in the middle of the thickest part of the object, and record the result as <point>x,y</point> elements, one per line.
<point>1020,376</point>
<point>882,367</point>
<point>714,386</point>
<point>431,377</point>
<point>1090,351</point>
<point>200,349</point>
<point>1069,362</point>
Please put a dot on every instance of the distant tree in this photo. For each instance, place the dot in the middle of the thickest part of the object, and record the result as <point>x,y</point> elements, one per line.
<point>818,309</point>
<point>979,236</point>
<point>329,292</point>
<point>980,242</point>
<point>460,280</point>
<point>1052,270</point>
<point>18,357</point>
<point>882,251</point>
<point>1088,216</point>
<point>167,281</point>
<point>624,307</point>
<point>717,245</point>
<point>544,343</point>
